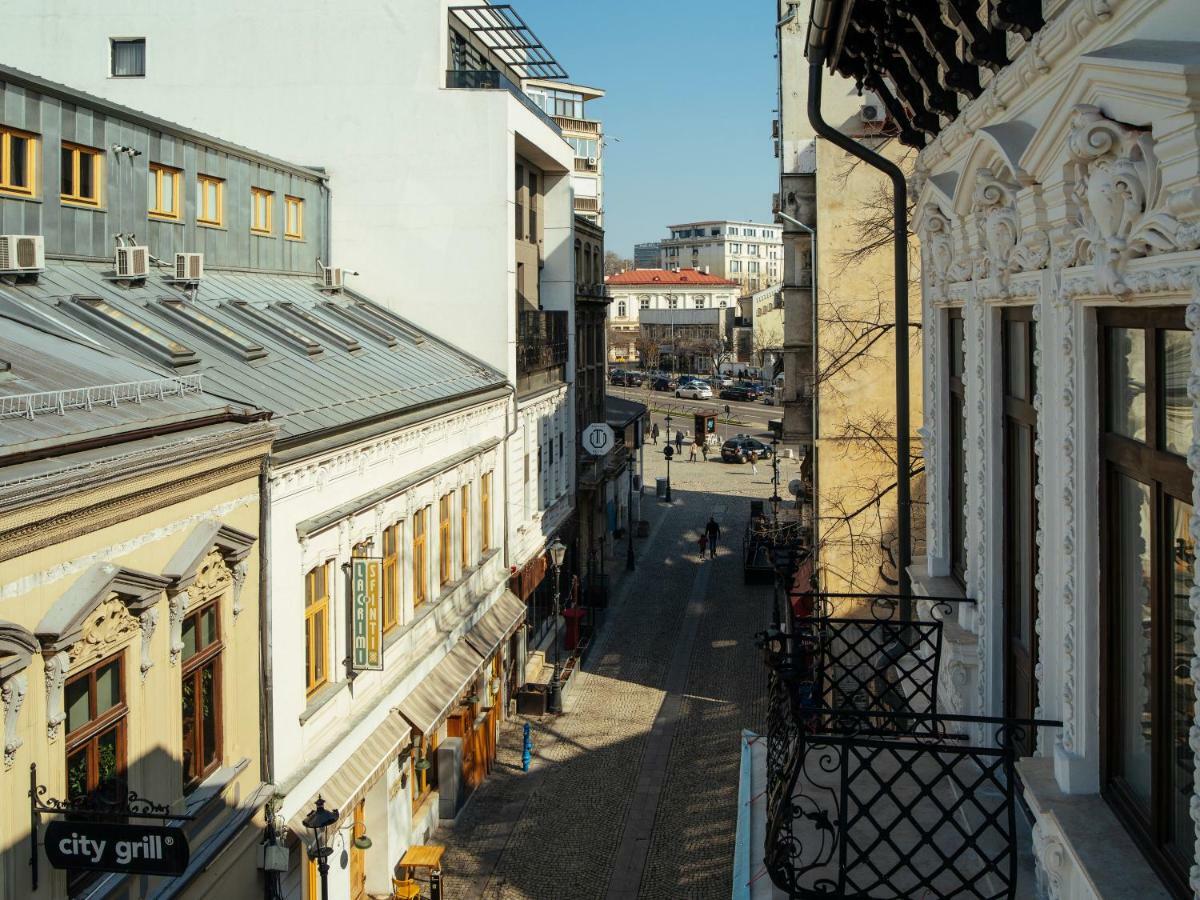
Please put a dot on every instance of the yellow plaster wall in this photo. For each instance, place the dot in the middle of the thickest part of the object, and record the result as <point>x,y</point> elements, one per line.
<point>854,453</point>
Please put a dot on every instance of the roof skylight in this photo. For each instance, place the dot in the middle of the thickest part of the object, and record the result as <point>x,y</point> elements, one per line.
<point>345,341</point>
<point>384,317</point>
<point>274,327</point>
<point>205,325</point>
<point>348,315</point>
<point>131,331</point>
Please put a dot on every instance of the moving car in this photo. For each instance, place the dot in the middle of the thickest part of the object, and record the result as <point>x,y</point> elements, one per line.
<point>663,383</point>
<point>738,449</point>
<point>736,392</point>
<point>696,390</point>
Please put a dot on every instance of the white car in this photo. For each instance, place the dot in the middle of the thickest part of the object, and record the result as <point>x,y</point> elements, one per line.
<point>696,390</point>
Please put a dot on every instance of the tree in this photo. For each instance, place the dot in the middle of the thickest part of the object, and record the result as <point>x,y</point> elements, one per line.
<point>766,339</point>
<point>648,350</point>
<point>614,263</point>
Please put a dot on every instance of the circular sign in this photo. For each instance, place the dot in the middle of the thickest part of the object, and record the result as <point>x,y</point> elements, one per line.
<point>598,439</point>
<point>668,451</point>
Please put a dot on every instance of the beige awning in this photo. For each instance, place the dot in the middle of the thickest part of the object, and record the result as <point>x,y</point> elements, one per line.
<point>497,623</point>
<point>431,701</point>
<point>358,774</point>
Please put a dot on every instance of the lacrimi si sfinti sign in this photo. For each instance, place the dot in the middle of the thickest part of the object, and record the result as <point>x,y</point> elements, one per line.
<point>366,582</point>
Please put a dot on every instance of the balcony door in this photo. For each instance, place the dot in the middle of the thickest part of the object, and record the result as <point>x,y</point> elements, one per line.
<point>1018,339</point>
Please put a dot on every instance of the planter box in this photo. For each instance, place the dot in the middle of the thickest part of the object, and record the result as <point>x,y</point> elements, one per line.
<point>531,700</point>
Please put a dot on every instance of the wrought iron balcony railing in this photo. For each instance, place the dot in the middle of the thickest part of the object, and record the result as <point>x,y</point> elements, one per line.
<point>870,791</point>
<point>542,340</point>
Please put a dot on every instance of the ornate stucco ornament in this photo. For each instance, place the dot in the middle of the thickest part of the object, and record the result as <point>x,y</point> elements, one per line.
<point>994,208</point>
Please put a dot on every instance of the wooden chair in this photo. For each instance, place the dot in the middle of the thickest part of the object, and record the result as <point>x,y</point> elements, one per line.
<point>405,889</point>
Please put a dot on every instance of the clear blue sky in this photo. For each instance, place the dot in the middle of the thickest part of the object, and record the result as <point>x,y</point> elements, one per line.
<point>691,90</point>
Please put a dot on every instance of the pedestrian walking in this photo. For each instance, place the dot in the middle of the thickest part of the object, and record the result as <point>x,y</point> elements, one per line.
<point>704,450</point>
<point>679,441</point>
<point>753,462</point>
<point>654,433</point>
<point>712,531</point>
<point>692,454</point>
<point>703,542</point>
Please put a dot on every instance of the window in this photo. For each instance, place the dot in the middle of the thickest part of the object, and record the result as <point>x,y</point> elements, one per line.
<point>485,512</point>
<point>162,198</point>
<point>621,310</point>
<point>358,862</point>
<point>464,526</point>
<point>731,230</point>
<point>94,701</point>
<point>201,694</point>
<point>316,628</point>
<point>752,249</point>
<point>210,196</point>
<point>752,268</point>
<point>698,300</point>
<point>81,174</point>
<point>644,301</point>
<point>128,58</point>
<point>391,581</point>
<point>293,218</point>
<point>1149,554</point>
<point>716,232</point>
<point>445,540</point>
<point>723,304</point>
<point>956,434</point>
<point>260,210</point>
<point>420,557</point>
<point>533,206</point>
<point>672,303</point>
<point>735,265</point>
<point>18,161</point>
<point>518,199</point>
<point>423,780</point>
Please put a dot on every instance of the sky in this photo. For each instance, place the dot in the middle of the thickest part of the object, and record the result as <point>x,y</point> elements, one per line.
<point>687,117</point>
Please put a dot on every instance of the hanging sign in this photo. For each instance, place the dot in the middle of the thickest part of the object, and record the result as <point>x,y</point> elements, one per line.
<point>107,847</point>
<point>366,582</point>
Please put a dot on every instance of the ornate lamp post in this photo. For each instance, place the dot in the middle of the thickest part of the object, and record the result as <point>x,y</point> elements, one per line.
<point>558,551</point>
<point>319,821</point>
<point>775,498</point>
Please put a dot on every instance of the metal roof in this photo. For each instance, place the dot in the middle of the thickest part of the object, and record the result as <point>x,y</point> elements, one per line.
<point>505,33</point>
<point>331,361</point>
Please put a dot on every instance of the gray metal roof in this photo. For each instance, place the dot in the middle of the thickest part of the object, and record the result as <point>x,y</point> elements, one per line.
<point>57,391</point>
<point>319,362</point>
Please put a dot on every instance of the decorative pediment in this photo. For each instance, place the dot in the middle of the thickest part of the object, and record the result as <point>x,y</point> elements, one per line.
<point>232,545</point>
<point>64,624</point>
<point>18,646</point>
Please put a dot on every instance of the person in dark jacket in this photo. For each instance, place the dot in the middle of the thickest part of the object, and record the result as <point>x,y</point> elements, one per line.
<point>713,531</point>
<point>654,433</point>
<point>678,441</point>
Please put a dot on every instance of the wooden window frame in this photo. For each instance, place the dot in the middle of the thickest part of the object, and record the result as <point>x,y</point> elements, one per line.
<point>33,141</point>
<point>99,725</point>
<point>293,203</point>
<point>485,512</point>
<point>464,519</point>
<point>157,173</point>
<point>391,579</point>
<point>358,860</point>
<point>420,548</point>
<point>78,153</point>
<point>956,428</point>
<point>264,225</point>
<point>202,210</point>
<point>314,606</point>
<point>421,788</point>
<point>446,539</point>
<point>1168,477</point>
<point>192,668</point>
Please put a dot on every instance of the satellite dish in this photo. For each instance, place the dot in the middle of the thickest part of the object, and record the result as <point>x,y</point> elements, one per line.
<point>795,487</point>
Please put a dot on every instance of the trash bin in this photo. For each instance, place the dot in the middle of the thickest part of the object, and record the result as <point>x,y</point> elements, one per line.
<point>660,487</point>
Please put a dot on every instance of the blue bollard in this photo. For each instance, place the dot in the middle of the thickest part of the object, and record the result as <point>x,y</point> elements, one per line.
<point>527,750</point>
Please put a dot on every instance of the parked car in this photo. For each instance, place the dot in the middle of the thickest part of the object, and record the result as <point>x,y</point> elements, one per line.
<point>696,390</point>
<point>754,387</point>
<point>723,380</point>
<point>741,394</point>
<point>738,449</point>
<point>628,379</point>
<point>663,383</point>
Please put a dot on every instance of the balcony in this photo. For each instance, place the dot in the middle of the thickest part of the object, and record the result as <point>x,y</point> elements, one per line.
<point>583,126</point>
<point>542,346</point>
<point>870,791</point>
<point>587,204</point>
<point>492,80</point>
<point>585,165</point>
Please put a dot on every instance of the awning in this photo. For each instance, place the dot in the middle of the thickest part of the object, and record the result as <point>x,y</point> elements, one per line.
<point>497,623</point>
<point>429,704</point>
<point>359,773</point>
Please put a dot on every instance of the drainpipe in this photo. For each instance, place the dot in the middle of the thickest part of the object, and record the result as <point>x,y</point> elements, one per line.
<point>267,714</point>
<point>819,30</point>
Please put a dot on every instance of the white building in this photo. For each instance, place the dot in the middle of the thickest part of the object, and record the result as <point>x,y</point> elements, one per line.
<point>566,104</point>
<point>1056,204</point>
<point>661,289</point>
<point>749,253</point>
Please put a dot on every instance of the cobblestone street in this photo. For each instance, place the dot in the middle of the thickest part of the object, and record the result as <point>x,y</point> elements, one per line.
<point>633,790</point>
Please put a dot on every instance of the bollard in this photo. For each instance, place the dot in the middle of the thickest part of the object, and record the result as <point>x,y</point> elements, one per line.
<point>527,750</point>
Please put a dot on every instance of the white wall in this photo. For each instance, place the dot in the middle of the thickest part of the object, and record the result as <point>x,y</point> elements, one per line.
<point>421,175</point>
<point>630,295</point>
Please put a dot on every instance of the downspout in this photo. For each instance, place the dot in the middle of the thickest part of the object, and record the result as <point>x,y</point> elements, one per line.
<point>508,433</point>
<point>267,714</point>
<point>819,28</point>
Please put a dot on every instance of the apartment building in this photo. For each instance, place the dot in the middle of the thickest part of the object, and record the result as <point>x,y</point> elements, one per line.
<point>634,292</point>
<point>647,255</point>
<point>749,253</point>
<point>389,639</point>
<point>565,103</point>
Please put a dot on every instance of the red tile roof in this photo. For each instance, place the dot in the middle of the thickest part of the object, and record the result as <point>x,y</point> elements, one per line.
<point>668,276</point>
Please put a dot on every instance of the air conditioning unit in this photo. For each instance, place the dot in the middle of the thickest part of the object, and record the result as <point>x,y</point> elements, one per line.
<point>189,266</point>
<point>22,253</point>
<point>872,108</point>
<point>592,161</point>
<point>133,262</point>
<point>331,278</point>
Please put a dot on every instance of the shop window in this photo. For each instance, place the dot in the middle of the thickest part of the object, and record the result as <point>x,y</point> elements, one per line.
<point>423,777</point>
<point>1149,554</point>
<point>358,860</point>
<point>81,174</point>
<point>316,628</point>
<point>201,694</point>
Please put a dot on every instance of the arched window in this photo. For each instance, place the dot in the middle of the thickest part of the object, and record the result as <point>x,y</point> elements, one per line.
<point>723,304</point>
<point>621,310</point>
<point>587,263</point>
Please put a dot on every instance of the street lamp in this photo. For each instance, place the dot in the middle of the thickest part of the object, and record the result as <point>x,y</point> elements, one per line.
<point>668,452</point>
<point>319,821</point>
<point>630,560</point>
<point>775,498</point>
<point>558,551</point>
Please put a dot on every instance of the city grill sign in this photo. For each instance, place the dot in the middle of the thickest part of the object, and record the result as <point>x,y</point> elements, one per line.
<point>106,847</point>
<point>367,625</point>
